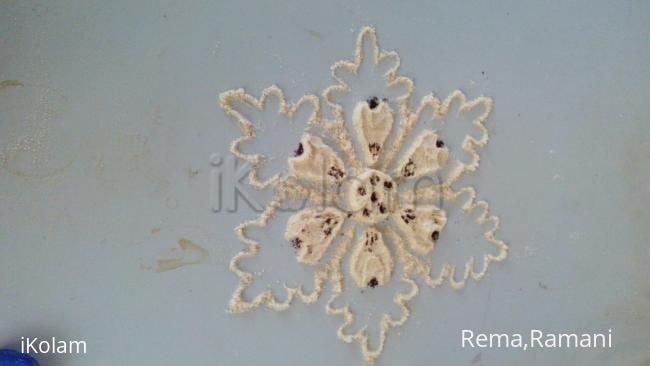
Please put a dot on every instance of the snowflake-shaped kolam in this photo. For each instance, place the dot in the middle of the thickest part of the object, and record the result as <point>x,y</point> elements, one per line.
<point>368,222</point>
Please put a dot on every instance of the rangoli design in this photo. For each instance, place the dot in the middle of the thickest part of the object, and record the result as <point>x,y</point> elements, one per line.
<point>358,224</point>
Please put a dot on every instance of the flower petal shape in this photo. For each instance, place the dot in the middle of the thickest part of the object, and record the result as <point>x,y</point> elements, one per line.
<point>371,263</point>
<point>316,162</point>
<point>373,120</point>
<point>421,225</point>
<point>426,156</point>
<point>311,232</point>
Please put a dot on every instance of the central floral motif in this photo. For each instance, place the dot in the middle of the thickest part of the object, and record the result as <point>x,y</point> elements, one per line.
<point>361,176</point>
<point>372,197</point>
<point>369,198</point>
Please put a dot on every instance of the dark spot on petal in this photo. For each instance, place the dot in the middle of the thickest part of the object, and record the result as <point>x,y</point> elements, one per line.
<point>373,282</point>
<point>440,143</point>
<point>382,208</point>
<point>373,102</point>
<point>299,150</point>
<point>373,197</point>
<point>374,149</point>
<point>408,215</point>
<point>435,235</point>
<point>366,212</point>
<point>336,173</point>
<point>388,185</point>
<point>361,191</point>
<point>409,169</point>
<point>295,243</point>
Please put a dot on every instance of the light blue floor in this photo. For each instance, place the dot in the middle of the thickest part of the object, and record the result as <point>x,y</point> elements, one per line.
<point>119,99</point>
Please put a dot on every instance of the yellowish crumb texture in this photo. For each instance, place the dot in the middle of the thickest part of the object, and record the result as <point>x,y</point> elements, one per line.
<point>349,169</point>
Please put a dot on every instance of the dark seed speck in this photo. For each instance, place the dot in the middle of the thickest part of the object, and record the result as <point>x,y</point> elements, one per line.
<point>295,243</point>
<point>299,150</point>
<point>373,102</point>
<point>435,235</point>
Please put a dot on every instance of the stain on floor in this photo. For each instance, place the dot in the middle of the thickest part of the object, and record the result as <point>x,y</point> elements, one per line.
<point>191,253</point>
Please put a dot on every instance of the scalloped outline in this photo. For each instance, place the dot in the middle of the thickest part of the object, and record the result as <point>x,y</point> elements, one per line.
<point>337,127</point>
<point>440,111</point>
<point>401,299</point>
<point>341,136</point>
<point>286,109</point>
<point>470,144</point>
<point>413,264</point>
<point>237,303</point>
